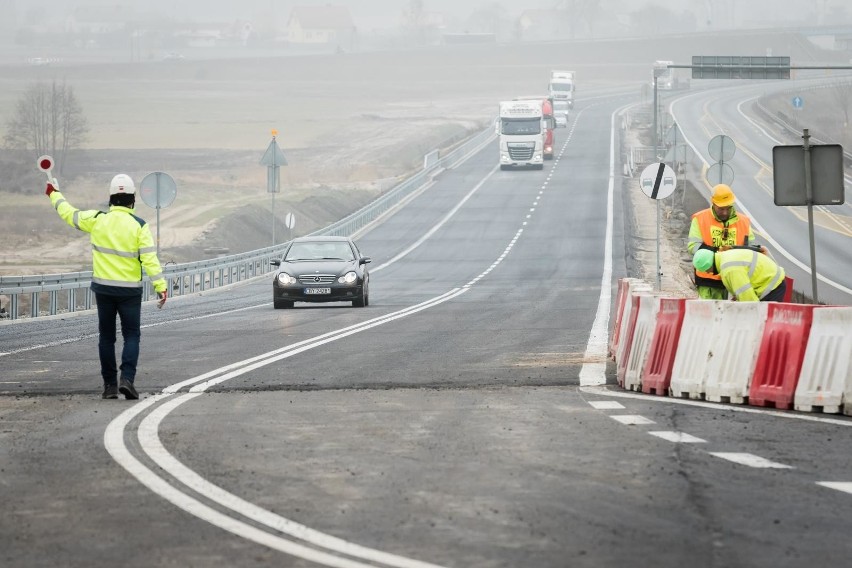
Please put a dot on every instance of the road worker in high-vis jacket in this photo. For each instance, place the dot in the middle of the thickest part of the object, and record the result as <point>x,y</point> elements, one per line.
<point>747,274</point>
<point>720,225</point>
<point>122,247</point>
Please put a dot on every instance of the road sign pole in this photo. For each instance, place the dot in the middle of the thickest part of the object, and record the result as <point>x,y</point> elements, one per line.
<point>809,193</point>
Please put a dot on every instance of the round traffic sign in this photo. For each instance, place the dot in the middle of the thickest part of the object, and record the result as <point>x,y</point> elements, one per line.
<point>720,173</point>
<point>658,181</point>
<point>722,148</point>
<point>158,190</point>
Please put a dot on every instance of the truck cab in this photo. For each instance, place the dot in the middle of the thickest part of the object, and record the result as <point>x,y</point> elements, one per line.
<point>562,86</point>
<point>522,131</point>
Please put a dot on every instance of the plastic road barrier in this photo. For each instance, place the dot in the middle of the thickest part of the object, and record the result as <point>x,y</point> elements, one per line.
<point>825,380</point>
<point>734,347</point>
<point>693,350</point>
<point>643,331</point>
<point>782,350</point>
<point>625,287</point>
<point>657,374</point>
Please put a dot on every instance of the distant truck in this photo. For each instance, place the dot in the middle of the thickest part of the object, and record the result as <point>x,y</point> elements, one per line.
<point>522,131</point>
<point>562,85</point>
<point>549,122</point>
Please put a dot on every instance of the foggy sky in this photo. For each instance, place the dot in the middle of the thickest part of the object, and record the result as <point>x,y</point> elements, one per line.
<point>375,14</point>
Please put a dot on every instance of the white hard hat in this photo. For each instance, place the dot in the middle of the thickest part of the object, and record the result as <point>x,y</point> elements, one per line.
<point>122,183</point>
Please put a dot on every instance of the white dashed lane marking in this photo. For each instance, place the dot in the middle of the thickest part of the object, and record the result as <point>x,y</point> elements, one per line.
<point>678,437</point>
<point>632,419</point>
<point>844,486</point>
<point>606,405</point>
<point>750,460</point>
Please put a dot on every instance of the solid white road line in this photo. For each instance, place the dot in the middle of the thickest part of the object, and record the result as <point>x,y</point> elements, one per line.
<point>593,371</point>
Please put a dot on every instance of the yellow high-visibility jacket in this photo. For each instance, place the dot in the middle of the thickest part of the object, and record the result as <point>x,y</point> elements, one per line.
<point>747,274</point>
<point>122,246</point>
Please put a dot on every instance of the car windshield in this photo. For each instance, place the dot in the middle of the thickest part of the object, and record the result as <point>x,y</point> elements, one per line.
<point>521,126</point>
<point>319,251</point>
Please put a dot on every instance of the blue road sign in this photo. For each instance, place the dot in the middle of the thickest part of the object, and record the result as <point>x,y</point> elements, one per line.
<point>798,102</point>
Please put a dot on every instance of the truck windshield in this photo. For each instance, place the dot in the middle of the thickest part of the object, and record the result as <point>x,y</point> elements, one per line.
<point>561,86</point>
<point>520,126</point>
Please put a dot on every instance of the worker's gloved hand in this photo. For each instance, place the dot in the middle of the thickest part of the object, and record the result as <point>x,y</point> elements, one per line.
<point>162,296</point>
<point>764,250</point>
<point>51,187</point>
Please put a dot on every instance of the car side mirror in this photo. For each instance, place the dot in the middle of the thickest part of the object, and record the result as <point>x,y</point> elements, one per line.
<point>275,262</point>
<point>365,260</point>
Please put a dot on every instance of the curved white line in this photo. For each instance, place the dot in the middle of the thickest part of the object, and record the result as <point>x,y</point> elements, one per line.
<point>151,445</point>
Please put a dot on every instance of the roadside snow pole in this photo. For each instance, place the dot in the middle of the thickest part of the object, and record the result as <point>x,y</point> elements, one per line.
<point>272,159</point>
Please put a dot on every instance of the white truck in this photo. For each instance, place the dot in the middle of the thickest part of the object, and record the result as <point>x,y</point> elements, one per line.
<point>522,131</point>
<point>562,84</point>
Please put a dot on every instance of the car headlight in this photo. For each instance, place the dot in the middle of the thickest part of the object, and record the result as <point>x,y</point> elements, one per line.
<point>285,279</point>
<point>348,278</point>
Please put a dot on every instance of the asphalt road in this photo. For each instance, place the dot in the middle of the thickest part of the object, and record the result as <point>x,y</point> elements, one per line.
<point>456,421</point>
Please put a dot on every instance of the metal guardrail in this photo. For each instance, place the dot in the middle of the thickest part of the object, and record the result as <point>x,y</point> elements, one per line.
<point>70,292</point>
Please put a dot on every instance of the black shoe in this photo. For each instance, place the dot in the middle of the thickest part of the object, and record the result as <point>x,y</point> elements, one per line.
<point>110,391</point>
<point>126,388</point>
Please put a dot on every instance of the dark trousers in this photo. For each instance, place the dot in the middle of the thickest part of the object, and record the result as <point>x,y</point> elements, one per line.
<point>777,295</point>
<point>129,311</point>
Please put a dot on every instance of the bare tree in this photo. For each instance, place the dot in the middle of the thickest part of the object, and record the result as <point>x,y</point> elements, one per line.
<point>48,119</point>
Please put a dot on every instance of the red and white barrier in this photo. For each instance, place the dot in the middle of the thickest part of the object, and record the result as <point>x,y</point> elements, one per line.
<point>626,287</point>
<point>782,349</point>
<point>657,374</point>
<point>825,380</point>
<point>631,313</point>
<point>643,332</point>
<point>764,353</point>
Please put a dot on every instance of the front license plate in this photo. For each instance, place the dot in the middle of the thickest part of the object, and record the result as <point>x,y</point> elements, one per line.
<point>317,290</point>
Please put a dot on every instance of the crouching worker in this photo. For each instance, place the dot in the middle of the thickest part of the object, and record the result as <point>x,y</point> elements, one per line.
<point>748,275</point>
<point>122,246</point>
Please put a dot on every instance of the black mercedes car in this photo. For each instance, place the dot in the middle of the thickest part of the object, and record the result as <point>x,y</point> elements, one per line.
<point>321,269</point>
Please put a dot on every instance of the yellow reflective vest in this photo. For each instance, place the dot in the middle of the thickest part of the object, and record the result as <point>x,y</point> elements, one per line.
<point>747,274</point>
<point>122,246</point>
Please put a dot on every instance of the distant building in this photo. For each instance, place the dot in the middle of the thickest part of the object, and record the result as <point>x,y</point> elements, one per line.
<point>321,25</point>
<point>96,20</point>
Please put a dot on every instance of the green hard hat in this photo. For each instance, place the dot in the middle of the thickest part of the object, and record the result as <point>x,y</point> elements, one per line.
<point>703,260</point>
